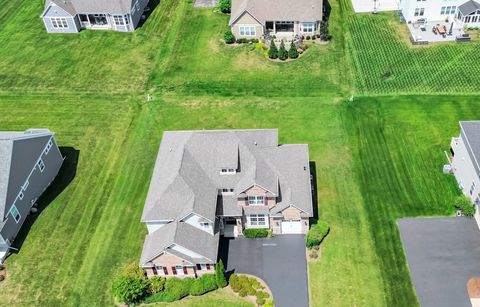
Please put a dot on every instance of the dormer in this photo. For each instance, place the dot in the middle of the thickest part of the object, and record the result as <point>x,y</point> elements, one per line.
<point>227,157</point>
<point>199,222</point>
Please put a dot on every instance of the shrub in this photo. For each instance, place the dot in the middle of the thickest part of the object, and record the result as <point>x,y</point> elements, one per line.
<point>157,284</point>
<point>269,303</point>
<point>463,204</point>
<point>314,255</point>
<point>272,54</point>
<point>307,38</point>
<point>261,297</point>
<point>317,233</point>
<point>2,267</point>
<point>203,284</point>
<point>131,285</point>
<point>225,6</point>
<point>235,283</point>
<point>229,37</point>
<point>220,275</point>
<point>282,52</point>
<point>256,284</point>
<point>2,277</point>
<point>242,293</point>
<point>256,232</point>
<point>292,52</point>
<point>242,40</point>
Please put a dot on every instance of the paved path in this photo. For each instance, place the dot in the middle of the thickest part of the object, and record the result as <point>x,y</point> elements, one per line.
<point>443,254</point>
<point>280,261</point>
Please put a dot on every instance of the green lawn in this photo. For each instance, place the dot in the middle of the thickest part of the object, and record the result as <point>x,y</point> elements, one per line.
<point>377,159</point>
<point>215,298</point>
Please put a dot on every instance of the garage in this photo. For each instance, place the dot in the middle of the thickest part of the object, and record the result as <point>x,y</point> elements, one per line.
<point>291,227</point>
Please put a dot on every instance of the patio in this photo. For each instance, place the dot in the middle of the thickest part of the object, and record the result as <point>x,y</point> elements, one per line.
<point>434,31</point>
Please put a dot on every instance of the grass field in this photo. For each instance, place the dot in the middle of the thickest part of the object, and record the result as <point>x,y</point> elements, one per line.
<point>377,159</point>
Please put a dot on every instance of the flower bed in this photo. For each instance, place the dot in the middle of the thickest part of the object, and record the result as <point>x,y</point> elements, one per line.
<point>252,288</point>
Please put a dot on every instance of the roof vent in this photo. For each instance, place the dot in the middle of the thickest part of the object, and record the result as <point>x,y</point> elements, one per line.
<point>255,143</point>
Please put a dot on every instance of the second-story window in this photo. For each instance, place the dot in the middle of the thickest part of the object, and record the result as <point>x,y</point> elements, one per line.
<point>256,200</point>
<point>225,171</point>
<point>49,146</point>
<point>15,214</point>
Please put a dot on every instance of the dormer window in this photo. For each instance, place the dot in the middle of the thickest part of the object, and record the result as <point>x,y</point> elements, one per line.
<point>227,171</point>
<point>204,225</point>
<point>256,200</point>
<point>226,191</point>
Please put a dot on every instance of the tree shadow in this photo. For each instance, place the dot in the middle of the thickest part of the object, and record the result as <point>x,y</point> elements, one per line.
<point>313,174</point>
<point>152,4</point>
<point>327,9</point>
<point>65,176</point>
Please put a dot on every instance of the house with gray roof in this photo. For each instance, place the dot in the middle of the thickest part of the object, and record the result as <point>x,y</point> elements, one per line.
<point>212,183</point>
<point>71,16</point>
<point>465,162</point>
<point>29,161</point>
<point>282,18</point>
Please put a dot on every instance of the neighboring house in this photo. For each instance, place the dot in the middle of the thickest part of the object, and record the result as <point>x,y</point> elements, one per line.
<point>220,182</point>
<point>465,161</point>
<point>71,16</point>
<point>282,18</point>
<point>464,13</point>
<point>29,161</point>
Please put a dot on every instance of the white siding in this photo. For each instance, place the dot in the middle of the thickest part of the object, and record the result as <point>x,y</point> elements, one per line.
<point>194,220</point>
<point>464,170</point>
<point>154,226</point>
<point>432,9</point>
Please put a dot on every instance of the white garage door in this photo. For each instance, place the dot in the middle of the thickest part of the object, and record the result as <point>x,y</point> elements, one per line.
<point>291,227</point>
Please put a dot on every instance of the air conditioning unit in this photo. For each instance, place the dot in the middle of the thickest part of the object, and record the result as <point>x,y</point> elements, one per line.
<point>447,169</point>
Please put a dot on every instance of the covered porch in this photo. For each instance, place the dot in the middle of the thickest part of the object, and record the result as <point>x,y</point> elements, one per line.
<point>95,21</point>
<point>281,29</point>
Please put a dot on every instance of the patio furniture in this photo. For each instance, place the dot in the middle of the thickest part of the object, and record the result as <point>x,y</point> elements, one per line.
<point>441,29</point>
<point>434,30</point>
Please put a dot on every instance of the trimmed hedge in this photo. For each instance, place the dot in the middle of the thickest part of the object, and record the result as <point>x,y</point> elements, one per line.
<point>203,284</point>
<point>255,233</point>
<point>317,233</point>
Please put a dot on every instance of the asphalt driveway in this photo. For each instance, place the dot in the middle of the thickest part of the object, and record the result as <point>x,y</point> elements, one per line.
<point>280,261</point>
<point>443,254</point>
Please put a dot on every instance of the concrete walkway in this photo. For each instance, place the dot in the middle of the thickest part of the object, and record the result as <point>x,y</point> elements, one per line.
<point>365,6</point>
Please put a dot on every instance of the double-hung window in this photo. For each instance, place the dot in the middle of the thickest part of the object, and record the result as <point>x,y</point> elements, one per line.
<point>419,11</point>
<point>41,165</point>
<point>59,22</point>
<point>256,200</point>
<point>227,191</point>
<point>15,214</point>
<point>160,270</point>
<point>308,27</point>
<point>119,20</point>
<point>258,220</point>
<point>248,31</point>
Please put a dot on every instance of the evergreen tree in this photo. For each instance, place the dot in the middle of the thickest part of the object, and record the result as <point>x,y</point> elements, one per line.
<point>225,6</point>
<point>220,274</point>
<point>273,51</point>
<point>292,52</point>
<point>282,52</point>
<point>229,37</point>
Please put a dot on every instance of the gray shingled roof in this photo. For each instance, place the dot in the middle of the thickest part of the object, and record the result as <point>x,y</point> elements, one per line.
<point>7,139</point>
<point>74,7</point>
<point>278,10</point>
<point>471,135</point>
<point>187,177</point>
<point>184,235</point>
<point>469,7</point>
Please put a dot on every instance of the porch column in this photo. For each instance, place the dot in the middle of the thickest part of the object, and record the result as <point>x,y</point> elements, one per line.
<point>274,28</point>
<point>89,22</point>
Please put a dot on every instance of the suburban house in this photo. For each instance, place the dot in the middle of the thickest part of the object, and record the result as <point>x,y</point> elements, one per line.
<point>461,12</point>
<point>29,161</point>
<point>282,18</point>
<point>71,16</point>
<point>465,151</point>
<point>440,20</point>
<point>220,182</point>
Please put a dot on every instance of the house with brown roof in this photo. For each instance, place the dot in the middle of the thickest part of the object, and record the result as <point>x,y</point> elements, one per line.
<point>282,18</point>
<point>208,184</point>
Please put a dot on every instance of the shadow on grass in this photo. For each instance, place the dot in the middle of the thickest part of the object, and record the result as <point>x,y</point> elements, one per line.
<point>313,176</point>
<point>152,4</point>
<point>65,176</point>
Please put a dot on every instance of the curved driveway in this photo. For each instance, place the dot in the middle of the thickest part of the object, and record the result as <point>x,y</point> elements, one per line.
<point>280,261</point>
